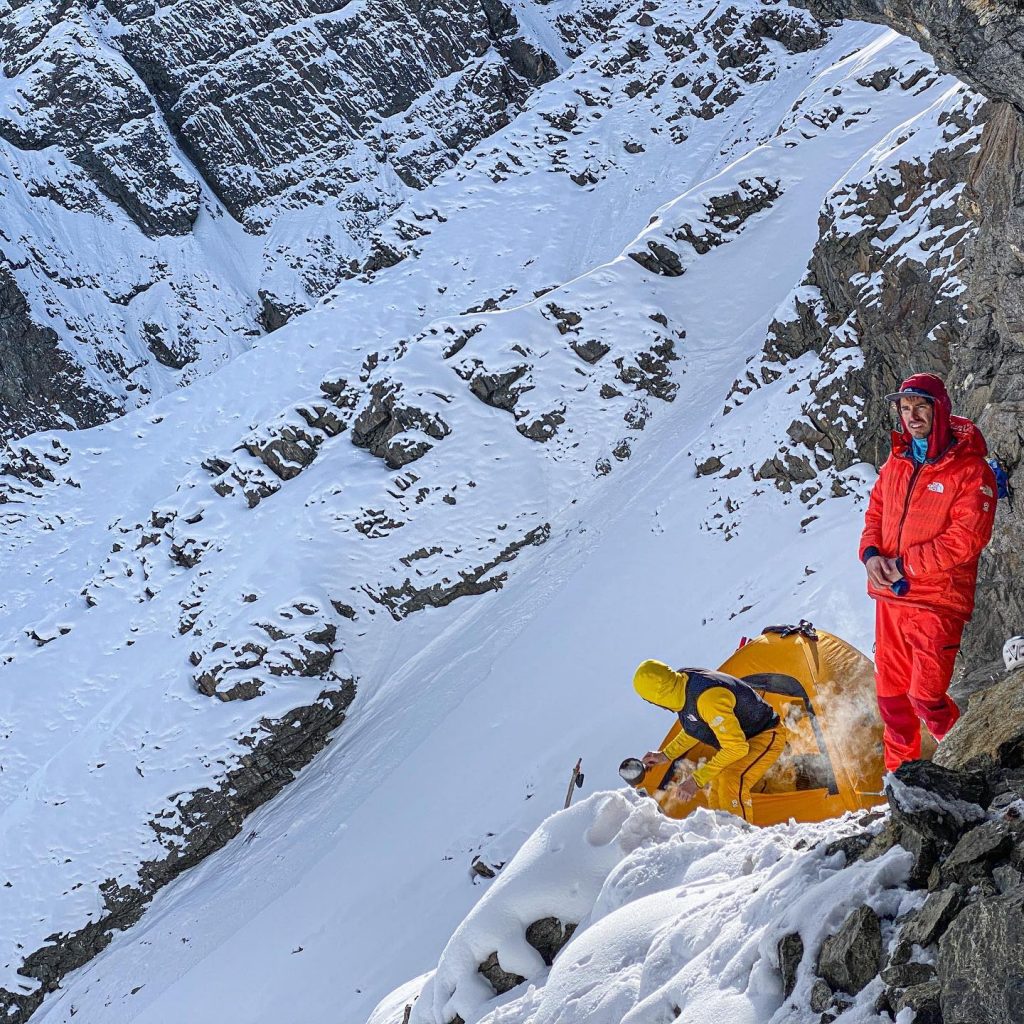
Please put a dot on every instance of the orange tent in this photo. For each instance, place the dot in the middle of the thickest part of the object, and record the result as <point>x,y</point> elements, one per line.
<point>823,690</point>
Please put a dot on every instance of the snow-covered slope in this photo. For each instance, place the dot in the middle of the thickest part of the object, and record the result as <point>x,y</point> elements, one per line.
<point>677,921</point>
<point>452,507</point>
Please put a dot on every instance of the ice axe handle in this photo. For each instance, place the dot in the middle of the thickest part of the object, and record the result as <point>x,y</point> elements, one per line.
<point>575,782</point>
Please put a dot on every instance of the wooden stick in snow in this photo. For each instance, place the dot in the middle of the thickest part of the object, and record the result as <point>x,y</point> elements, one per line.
<point>573,781</point>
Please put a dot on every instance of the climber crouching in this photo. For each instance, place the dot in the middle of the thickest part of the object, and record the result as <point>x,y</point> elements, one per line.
<point>725,714</point>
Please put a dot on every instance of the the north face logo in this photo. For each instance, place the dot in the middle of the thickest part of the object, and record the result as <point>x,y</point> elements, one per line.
<point>936,487</point>
<point>691,718</point>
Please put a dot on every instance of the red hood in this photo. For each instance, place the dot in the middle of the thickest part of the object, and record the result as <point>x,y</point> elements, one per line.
<point>967,439</point>
<point>933,388</point>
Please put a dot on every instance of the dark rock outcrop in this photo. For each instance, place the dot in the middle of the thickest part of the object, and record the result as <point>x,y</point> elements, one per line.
<point>395,429</point>
<point>987,372</point>
<point>990,731</point>
<point>501,981</point>
<point>299,643</point>
<point>927,923</point>
<point>547,936</point>
<point>923,999</point>
<point>402,601</point>
<point>41,386</point>
<point>981,962</point>
<point>850,958</point>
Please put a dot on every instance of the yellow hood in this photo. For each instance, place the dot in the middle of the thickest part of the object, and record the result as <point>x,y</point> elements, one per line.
<point>657,683</point>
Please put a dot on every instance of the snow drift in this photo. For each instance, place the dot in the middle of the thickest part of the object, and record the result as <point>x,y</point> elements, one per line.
<point>676,920</point>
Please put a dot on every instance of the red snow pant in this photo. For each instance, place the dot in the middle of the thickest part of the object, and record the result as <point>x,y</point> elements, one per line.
<point>915,650</point>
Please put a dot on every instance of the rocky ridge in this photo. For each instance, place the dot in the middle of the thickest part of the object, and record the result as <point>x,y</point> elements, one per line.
<point>983,358</point>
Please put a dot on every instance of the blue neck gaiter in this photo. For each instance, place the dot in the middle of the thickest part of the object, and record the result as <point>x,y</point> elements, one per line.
<point>919,449</point>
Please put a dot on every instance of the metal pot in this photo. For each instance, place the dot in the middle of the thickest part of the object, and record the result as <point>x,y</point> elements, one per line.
<point>633,770</point>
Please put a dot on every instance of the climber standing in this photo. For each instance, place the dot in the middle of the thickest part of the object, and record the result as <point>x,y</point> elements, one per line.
<point>929,517</point>
<point>727,715</point>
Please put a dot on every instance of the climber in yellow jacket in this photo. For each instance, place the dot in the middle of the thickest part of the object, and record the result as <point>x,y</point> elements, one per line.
<point>725,714</point>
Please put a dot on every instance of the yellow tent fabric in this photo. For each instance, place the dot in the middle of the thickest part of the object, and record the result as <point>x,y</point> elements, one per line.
<point>823,689</point>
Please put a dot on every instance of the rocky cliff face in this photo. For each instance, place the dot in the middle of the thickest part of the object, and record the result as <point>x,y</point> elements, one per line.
<point>919,267</point>
<point>312,83</point>
<point>980,41</point>
<point>129,130</point>
<point>983,44</point>
<point>111,293</point>
<point>312,104</point>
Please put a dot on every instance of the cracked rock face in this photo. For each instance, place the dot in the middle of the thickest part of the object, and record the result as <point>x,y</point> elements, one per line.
<point>77,95</point>
<point>980,41</point>
<point>306,121</point>
<point>980,959</point>
<point>311,80</point>
<point>983,44</point>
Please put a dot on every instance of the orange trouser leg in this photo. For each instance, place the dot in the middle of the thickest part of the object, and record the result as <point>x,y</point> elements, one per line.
<point>915,653</point>
<point>731,789</point>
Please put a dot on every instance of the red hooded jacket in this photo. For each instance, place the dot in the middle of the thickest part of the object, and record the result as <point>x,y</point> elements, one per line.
<point>937,516</point>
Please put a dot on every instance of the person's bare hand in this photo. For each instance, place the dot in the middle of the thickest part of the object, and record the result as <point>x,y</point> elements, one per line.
<point>882,571</point>
<point>654,757</point>
<point>685,790</point>
<point>892,570</point>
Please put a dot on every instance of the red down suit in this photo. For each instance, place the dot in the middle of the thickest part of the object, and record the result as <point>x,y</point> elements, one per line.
<point>936,517</point>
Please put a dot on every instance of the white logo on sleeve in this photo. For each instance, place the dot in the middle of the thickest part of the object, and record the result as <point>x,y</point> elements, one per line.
<point>987,491</point>
<point>936,487</point>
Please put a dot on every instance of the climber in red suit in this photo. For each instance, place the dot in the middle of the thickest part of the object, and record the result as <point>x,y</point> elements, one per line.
<point>929,517</point>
